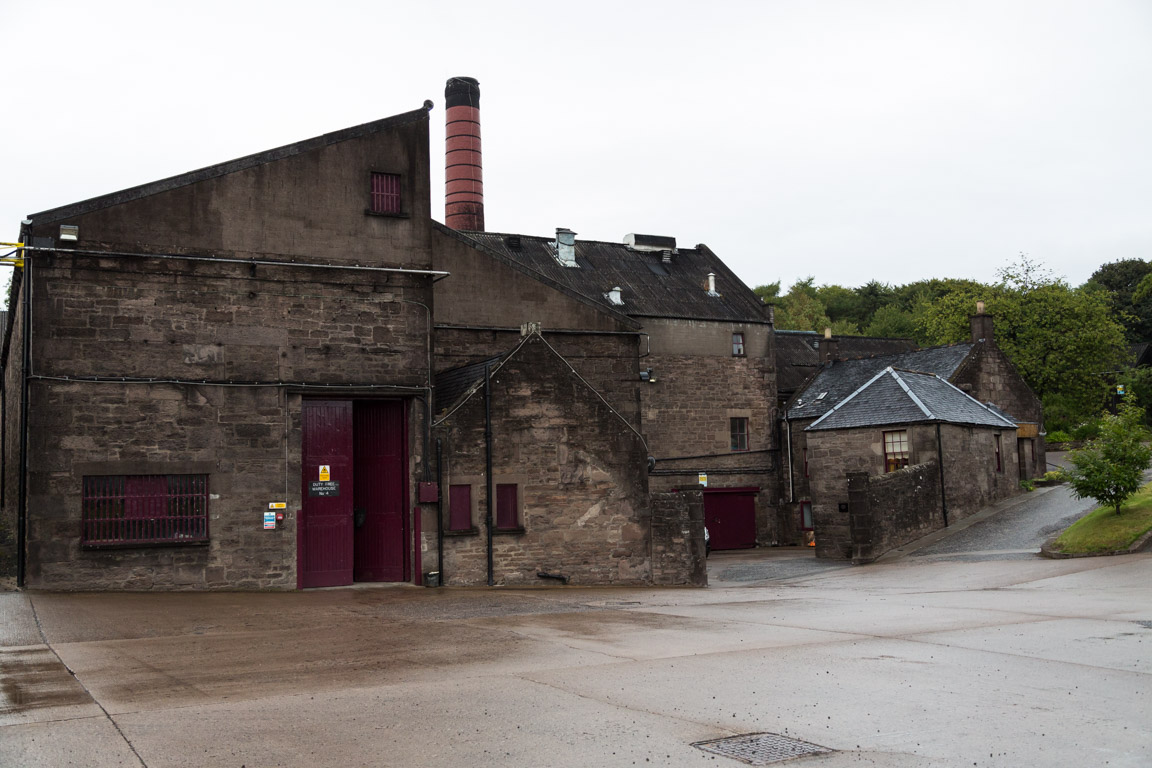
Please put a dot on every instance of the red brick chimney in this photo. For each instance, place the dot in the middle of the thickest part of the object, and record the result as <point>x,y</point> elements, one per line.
<point>463,175</point>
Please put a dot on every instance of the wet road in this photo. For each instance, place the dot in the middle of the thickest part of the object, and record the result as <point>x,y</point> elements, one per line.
<point>1018,530</point>
<point>926,661</point>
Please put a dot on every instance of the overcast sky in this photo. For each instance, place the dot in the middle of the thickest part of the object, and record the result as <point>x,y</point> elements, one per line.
<point>849,140</point>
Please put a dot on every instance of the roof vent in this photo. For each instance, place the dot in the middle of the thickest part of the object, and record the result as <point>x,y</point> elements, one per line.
<point>650,242</point>
<point>513,242</point>
<point>614,297</point>
<point>712,284</point>
<point>566,247</point>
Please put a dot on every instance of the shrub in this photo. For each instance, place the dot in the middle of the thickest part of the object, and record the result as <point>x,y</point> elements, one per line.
<point>1059,436</point>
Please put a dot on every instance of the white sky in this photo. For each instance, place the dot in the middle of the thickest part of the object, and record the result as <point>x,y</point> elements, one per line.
<point>843,139</point>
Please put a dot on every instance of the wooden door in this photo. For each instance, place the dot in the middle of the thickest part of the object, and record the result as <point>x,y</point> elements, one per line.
<point>730,515</point>
<point>381,549</point>
<point>325,532</point>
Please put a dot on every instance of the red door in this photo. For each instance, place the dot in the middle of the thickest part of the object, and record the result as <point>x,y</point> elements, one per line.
<point>381,490</point>
<point>325,536</point>
<point>730,514</point>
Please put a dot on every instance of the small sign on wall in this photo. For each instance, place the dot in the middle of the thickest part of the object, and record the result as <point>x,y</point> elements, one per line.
<point>324,488</point>
<point>702,478</point>
<point>325,472</point>
<point>269,521</point>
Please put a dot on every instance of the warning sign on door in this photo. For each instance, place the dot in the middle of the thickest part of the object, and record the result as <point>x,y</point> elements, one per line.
<point>325,472</point>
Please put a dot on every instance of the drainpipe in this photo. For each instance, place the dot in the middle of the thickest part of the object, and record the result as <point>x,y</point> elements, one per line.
<point>788,438</point>
<point>26,364</point>
<point>440,510</point>
<point>940,461</point>
<point>488,465</point>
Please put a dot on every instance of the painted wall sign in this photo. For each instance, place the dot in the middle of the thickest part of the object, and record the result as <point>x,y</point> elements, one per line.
<point>277,505</point>
<point>324,488</point>
<point>325,472</point>
<point>269,521</point>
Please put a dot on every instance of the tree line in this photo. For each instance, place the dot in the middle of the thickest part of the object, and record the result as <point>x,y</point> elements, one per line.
<point>1071,344</point>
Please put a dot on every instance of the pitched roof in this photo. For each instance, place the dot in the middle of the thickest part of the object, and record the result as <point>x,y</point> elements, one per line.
<point>908,397</point>
<point>230,166</point>
<point>649,286</point>
<point>453,384</point>
<point>837,381</point>
<point>798,357</point>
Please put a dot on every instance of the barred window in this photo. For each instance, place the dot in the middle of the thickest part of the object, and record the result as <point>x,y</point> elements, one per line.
<point>144,509</point>
<point>895,450</point>
<point>385,193</point>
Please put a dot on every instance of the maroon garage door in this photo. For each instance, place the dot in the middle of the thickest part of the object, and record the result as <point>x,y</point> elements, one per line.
<point>354,492</point>
<point>730,514</point>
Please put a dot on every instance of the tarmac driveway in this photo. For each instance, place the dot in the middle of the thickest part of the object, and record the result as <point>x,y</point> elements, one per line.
<point>918,662</point>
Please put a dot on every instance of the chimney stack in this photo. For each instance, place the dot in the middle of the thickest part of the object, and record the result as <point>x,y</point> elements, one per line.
<point>566,247</point>
<point>827,348</point>
<point>981,325</point>
<point>463,174</point>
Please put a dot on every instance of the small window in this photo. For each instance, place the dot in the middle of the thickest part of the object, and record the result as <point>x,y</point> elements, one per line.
<point>738,345</point>
<point>385,193</point>
<point>999,463</point>
<point>144,509</point>
<point>895,450</point>
<point>507,507</point>
<point>459,507</point>
<point>739,429</point>
<point>806,515</point>
<point>805,453</point>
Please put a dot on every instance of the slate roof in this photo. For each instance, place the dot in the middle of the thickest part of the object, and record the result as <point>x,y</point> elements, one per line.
<point>908,397</point>
<point>649,287</point>
<point>230,166</point>
<point>797,355</point>
<point>843,377</point>
<point>452,384</point>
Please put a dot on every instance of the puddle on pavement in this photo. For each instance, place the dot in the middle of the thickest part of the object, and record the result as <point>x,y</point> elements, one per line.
<point>33,678</point>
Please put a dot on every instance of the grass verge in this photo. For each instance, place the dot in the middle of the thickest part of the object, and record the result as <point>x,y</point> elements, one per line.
<point>1105,531</point>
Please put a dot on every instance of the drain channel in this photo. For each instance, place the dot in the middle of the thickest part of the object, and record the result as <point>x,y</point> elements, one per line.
<point>760,748</point>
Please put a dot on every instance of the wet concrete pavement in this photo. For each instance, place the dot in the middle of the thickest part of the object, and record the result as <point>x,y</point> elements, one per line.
<point>925,660</point>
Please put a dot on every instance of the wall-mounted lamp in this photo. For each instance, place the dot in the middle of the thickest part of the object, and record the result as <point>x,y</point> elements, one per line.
<point>69,232</point>
<point>648,376</point>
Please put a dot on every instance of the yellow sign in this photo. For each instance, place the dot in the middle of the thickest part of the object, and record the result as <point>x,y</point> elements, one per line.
<point>277,505</point>
<point>702,478</point>
<point>325,473</point>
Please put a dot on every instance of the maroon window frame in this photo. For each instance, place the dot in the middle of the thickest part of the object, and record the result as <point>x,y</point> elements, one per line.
<point>895,450</point>
<point>507,508</point>
<point>460,508</point>
<point>125,510</point>
<point>738,426</point>
<point>385,193</point>
<point>738,345</point>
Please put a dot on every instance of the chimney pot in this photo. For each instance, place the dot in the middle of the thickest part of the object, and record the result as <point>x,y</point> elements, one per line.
<point>712,284</point>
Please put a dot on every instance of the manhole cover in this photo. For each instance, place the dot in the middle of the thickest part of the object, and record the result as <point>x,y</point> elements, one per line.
<point>760,748</point>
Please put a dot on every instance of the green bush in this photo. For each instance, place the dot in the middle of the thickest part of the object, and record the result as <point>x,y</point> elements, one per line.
<point>1089,430</point>
<point>1059,436</point>
<point>1028,485</point>
<point>1055,476</point>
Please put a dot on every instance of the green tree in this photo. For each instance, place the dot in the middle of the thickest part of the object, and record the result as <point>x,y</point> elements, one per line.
<point>892,322</point>
<point>768,293</point>
<point>1111,467</point>
<point>1121,280</point>
<point>1065,342</point>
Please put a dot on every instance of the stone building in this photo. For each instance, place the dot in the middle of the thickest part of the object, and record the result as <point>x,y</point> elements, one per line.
<point>817,464</point>
<point>226,379</point>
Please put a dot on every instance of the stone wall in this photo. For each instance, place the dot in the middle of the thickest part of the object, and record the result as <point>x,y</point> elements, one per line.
<point>580,474</point>
<point>203,331</point>
<point>678,551</point>
<point>971,479</point>
<point>890,510</point>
